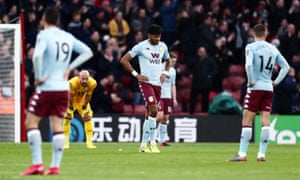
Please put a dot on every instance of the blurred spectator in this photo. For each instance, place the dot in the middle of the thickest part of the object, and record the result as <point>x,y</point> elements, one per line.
<point>282,29</point>
<point>205,35</point>
<point>13,13</point>
<point>103,97</point>
<point>75,24</point>
<point>119,28</point>
<point>222,55</point>
<point>168,21</point>
<point>29,84</point>
<point>128,8</point>
<point>85,30</point>
<point>137,37</point>
<point>294,13</point>
<point>88,9</point>
<point>64,10</point>
<point>289,43</point>
<point>100,22</point>
<point>117,50</point>
<point>96,46</point>
<point>260,14</point>
<point>4,19</point>
<point>108,64</point>
<point>6,63</point>
<point>152,12</point>
<point>75,5</point>
<point>3,7</point>
<point>286,97</point>
<point>186,30</point>
<point>31,24</point>
<point>204,69</point>
<point>186,5</point>
<point>34,6</point>
<point>277,12</point>
<point>141,20</point>
<point>239,41</point>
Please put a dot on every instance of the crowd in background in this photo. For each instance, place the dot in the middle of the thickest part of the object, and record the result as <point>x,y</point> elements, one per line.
<point>220,28</point>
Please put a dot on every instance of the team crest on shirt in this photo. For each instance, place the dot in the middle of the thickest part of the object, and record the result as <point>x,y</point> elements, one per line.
<point>150,99</point>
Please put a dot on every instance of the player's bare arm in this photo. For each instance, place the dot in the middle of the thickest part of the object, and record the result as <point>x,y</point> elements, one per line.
<point>125,62</point>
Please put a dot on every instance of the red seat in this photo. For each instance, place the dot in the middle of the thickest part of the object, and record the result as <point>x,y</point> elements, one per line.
<point>126,81</point>
<point>139,109</point>
<point>236,70</point>
<point>198,108</point>
<point>181,68</point>
<point>183,95</point>
<point>212,94</point>
<point>127,109</point>
<point>178,108</point>
<point>184,82</point>
<point>233,85</point>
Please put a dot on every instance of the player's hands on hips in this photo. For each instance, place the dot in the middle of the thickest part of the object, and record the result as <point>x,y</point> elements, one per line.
<point>274,84</point>
<point>40,81</point>
<point>251,84</point>
<point>141,77</point>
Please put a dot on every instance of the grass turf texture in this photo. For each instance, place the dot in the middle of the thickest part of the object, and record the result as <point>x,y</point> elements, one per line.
<point>179,161</point>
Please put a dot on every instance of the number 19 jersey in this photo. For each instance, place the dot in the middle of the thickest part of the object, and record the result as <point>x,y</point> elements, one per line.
<point>261,58</point>
<point>56,47</point>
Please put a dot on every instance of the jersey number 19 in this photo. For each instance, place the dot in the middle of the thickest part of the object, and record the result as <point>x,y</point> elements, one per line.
<point>64,49</point>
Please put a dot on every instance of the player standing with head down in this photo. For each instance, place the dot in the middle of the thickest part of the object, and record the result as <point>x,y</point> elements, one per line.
<point>261,58</point>
<point>151,53</point>
<point>51,67</point>
<point>168,99</point>
<point>81,90</point>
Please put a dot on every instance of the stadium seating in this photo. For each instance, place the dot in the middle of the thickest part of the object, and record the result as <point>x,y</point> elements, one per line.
<point>139,109</point>
<point>233,85</point>
<point>184,82</point>
<point>236,70</point>
<point>127,109</point>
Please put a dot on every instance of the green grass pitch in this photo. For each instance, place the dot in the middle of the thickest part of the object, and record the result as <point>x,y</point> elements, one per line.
<point>180,161</point>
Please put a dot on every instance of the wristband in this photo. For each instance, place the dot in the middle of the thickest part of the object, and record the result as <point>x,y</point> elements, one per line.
<point>134,73</point>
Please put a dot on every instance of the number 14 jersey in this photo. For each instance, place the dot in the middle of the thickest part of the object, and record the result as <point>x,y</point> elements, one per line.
<point>261,58</point>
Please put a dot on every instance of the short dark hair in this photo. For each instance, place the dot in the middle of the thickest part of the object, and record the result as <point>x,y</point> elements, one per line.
<point>52,16</point>
<point>173,55</point>
<point>154,29</point>
<point>259,30</point>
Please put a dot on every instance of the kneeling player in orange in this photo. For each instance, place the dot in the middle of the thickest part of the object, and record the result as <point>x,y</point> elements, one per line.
<point>81,89</point>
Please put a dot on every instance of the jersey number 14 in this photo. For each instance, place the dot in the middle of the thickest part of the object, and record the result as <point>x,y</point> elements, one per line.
<point>269,65</point>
